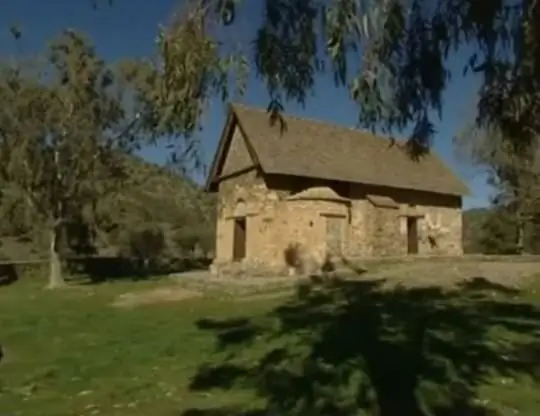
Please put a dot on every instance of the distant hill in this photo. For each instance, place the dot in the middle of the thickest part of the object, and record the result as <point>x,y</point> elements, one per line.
<point>153,196</point>
<point>157,196</point>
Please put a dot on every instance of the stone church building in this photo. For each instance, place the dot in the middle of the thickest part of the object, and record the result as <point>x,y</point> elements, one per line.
<point>326,190</point>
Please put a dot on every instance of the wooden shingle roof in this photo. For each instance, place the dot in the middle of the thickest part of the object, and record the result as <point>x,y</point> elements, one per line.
<point>314,149</point>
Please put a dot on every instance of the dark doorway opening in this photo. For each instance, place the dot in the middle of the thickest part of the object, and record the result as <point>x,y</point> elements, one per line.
<point>412,235</point>
<point>239,239</point>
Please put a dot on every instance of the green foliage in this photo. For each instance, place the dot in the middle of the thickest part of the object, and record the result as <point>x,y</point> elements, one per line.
<point>16,217</point>
<point>160,197</point>
<point>58,136</point>
<point>473,220</point>
<point>190,238</point>
<point>207,239</point>
<point>64,133</point>
<point>79,237</point>
<point>186,239</point>
<point>498,233</point>
<point>400,76</point>
<point>494,231</point>
<point>513,169</point>
<point>173,90</point>
<point>65,143</point>
<point>152,195</point>
<point>392,55</point>
<point>145,243</point>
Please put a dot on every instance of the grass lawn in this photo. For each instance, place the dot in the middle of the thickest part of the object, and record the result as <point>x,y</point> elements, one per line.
<point>69,352</point>
<point>335,348</point>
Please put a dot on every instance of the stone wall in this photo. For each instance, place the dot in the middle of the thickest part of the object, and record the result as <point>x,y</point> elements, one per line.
<point>274,223</point>
<point>244,192</point>
<point>439,216</point>
<point>304,224</point>
<point>381,231</point>
<point>383,235</point>
<point>269,221</point>
<point>357,244</point>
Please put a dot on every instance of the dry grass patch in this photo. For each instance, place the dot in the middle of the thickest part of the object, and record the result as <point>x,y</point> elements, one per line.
<point>154,296</point>
<point>449,273</point>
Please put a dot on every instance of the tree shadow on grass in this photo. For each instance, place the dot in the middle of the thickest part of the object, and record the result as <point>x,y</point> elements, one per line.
<point>8,274</point>
<point>345,347</point>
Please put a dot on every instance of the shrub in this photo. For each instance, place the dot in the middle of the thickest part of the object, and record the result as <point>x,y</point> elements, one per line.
<point>145,244</point>
<point>186,239</point>
<point>293,257</point>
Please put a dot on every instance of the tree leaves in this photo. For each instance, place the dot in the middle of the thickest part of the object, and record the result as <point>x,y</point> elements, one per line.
<point>173,90</point>
<point>58,141</point>
<point>15,32</point>
<point>514,172</point>
<point>226,10</point>
<point>391,54</point>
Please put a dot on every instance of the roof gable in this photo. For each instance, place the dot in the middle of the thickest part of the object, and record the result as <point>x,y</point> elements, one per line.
<point>237,156</point>
<point>234,154</point>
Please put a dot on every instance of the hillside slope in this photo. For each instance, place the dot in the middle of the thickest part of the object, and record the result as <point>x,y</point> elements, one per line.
<point>156,196</point>
<point>153,196</point>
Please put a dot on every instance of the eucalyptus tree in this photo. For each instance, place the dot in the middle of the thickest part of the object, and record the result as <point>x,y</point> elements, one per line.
<point>513,170</point>
<point>64,134</point>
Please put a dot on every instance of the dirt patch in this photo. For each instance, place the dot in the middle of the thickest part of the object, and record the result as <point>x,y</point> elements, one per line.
<point>446,272</point>
<point>160,295</point>
<point>231,286</point>
<point>451,273</point>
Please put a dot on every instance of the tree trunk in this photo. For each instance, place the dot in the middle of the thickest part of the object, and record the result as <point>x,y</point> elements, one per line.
<point>520,237</point>
<point>520,230</point>
<point>56,279</point>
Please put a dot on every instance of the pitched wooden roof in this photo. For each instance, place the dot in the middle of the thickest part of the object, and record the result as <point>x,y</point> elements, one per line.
<point>309,148</point>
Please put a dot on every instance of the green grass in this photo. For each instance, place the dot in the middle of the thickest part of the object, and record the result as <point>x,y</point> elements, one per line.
<point>70,353</point>
<point>337,348</point>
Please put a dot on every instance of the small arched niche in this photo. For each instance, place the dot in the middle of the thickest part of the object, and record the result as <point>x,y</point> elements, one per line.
<point>240,208</point>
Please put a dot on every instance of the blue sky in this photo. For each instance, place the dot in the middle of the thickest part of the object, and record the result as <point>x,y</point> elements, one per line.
<point>129,29</point>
